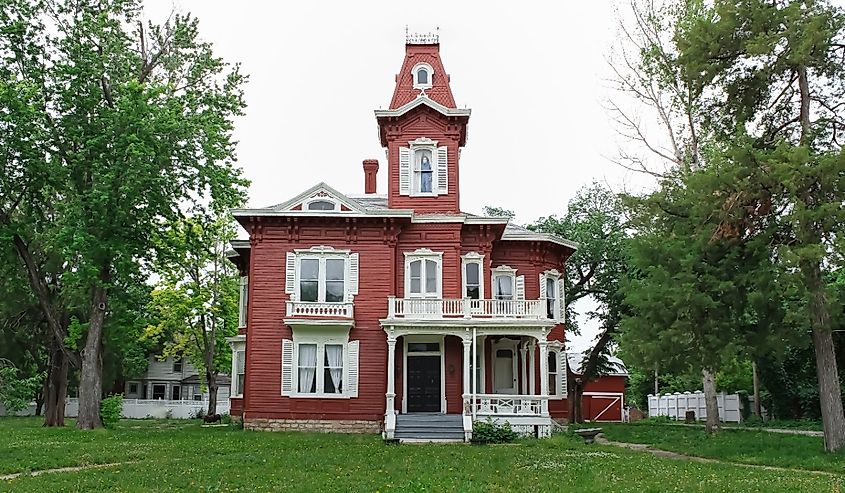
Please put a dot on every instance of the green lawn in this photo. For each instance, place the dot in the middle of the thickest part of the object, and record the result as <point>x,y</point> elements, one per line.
<point>749,447</point>
<point>174,456</point>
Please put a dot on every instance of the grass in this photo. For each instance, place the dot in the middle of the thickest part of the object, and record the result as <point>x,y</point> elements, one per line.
<point>182,456</point>
<point>742,446</point>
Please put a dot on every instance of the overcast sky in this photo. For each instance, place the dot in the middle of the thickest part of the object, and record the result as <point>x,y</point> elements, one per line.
<point>533,73</point>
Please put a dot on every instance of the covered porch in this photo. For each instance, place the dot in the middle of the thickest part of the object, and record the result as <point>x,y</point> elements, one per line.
<point>490,371</point>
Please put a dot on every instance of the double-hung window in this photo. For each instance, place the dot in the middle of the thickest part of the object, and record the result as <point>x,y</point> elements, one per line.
<point>320,368</point>
<point>322,279</point>
<point>322,274</point>
<point>551,289</point>
<point>557,373</point>
<point>423,274</point>
<point>473,285</point>
<point>244,289</point>
<point>504,283</point>
<point>240,366</point>
<point>423,168</point>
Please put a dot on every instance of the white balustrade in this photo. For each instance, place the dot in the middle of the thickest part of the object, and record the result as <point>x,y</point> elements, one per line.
<point>318,309</point>
<point>510,405</point>
<point>465,308</point>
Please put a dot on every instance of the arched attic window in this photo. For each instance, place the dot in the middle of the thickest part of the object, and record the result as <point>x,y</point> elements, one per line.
<point>321,205</point>
<point>423,75</point>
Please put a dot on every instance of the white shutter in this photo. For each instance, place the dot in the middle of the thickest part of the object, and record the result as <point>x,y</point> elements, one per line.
<point>562,373</point>
<point>353,273</point>
<point>404,171</point>
<point>561,310</point>
<point>287,367</point>
<point>520,287</point>
<point>290,273</point>
<point>352,369</point>
<point>442,171</point>
<point>542,286</point>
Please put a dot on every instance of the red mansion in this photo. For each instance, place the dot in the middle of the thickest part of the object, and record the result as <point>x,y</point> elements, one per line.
<point>398,313</point>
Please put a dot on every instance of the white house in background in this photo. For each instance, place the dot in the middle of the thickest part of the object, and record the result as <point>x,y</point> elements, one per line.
<point>173,379</point>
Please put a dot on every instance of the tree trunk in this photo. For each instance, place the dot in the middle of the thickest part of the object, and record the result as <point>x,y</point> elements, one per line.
<point>712,405</point>
<point>91,378</point>
<point>656,382</point>
<point>575,403</point>
<point>830,392</point>
<point>211,377</point>
<point>756,383</point>
<point>55,393</point>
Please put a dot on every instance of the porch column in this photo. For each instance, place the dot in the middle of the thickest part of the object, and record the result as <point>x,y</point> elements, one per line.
<point>532,348</point>
<point>467,374</point>
<point>523,353</point>
<point>544,375</point>
<point>390,396</point>
<point>468,398</point>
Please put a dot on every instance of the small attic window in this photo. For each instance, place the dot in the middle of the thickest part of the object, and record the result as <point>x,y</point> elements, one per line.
<point>423,75</point>
<point>321,205</point>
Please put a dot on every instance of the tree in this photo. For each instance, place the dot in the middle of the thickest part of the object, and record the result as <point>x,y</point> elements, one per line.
<point>195,306</point>
<point>116,127</point>
<point>595,220</point>
<point>16,391</point>
<point>775,82</point>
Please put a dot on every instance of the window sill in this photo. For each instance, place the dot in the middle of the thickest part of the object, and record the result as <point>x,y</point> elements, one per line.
<point>319,396</point>
<point>424,194</point>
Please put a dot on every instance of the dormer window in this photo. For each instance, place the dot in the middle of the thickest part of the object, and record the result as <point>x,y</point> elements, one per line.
<point>423,75</point>
<point>321,205</point>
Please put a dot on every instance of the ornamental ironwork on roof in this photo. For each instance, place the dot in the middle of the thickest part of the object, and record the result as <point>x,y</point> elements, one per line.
<point>422,39</point>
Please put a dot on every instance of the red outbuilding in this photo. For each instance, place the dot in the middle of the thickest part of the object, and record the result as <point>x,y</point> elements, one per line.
<point>399,313</point>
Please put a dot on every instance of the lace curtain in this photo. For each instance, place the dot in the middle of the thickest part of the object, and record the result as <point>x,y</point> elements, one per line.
<point>307,367</point>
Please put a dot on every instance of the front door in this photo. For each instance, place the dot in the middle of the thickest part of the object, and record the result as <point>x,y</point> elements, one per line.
<point>423,384</point>
<point>504,371</point>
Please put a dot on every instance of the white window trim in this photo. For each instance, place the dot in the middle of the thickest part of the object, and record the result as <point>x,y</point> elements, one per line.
<point>503,270</point>
<point>238,343</point>
<point>320,340</point>
<point>423,254</point>
<point>424,143</point>
<point>472,258</point>
<point>560,357</point>
<point>555,275</point>
<point>441,340</point>
<point>243,301</point>
<point>321,253</point>
<point>414,71</point>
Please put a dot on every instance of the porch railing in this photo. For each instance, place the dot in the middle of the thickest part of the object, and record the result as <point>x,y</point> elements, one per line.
<point>510,405</point>
<point>318,309</point>
<point>465,308</point>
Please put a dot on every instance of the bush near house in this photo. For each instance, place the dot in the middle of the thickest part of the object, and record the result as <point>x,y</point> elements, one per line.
<point>490,432</point>
<point>111,410</point>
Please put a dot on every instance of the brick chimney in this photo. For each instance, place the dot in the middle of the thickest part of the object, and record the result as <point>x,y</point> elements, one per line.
<point>370,171</point>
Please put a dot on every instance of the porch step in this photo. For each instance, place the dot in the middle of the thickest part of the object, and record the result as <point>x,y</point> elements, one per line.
<point>412,428</point>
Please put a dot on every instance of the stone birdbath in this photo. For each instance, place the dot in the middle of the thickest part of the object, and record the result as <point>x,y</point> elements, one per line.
<point>588,434</point>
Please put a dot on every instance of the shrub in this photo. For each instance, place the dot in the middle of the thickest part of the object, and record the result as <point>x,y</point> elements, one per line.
<point>490,432</point>
<point>111,410</point>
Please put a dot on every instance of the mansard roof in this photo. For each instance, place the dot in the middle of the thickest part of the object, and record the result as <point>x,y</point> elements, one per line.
<point>416,54</point>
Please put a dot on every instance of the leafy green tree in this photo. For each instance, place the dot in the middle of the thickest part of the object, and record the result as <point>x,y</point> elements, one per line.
<point>595,220</point>
<point>16,391</point>
<point>195,306</point>
<point>115,126</point>
<point>775,81</point>
<point>498,212</point>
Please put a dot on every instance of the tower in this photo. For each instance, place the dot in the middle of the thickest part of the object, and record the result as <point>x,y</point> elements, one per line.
<point>423,132</point>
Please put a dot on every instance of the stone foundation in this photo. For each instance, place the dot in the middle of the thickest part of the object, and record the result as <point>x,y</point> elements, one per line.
<point>319,425</point>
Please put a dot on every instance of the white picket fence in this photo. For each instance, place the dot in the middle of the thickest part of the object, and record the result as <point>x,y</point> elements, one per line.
<point>676,406</point>
<point>142,408</point>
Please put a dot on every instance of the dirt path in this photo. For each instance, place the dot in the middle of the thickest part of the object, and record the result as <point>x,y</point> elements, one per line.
<point>640,447</point>
<point>62,469</point>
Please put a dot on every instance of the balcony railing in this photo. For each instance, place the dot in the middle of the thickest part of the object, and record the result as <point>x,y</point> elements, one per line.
<point>318,309</point>
<point>465,308</point>
<point>511,405</point>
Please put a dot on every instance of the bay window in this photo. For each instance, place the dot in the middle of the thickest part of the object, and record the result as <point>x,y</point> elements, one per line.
<point>557,373</point>
<point>320,366</point>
